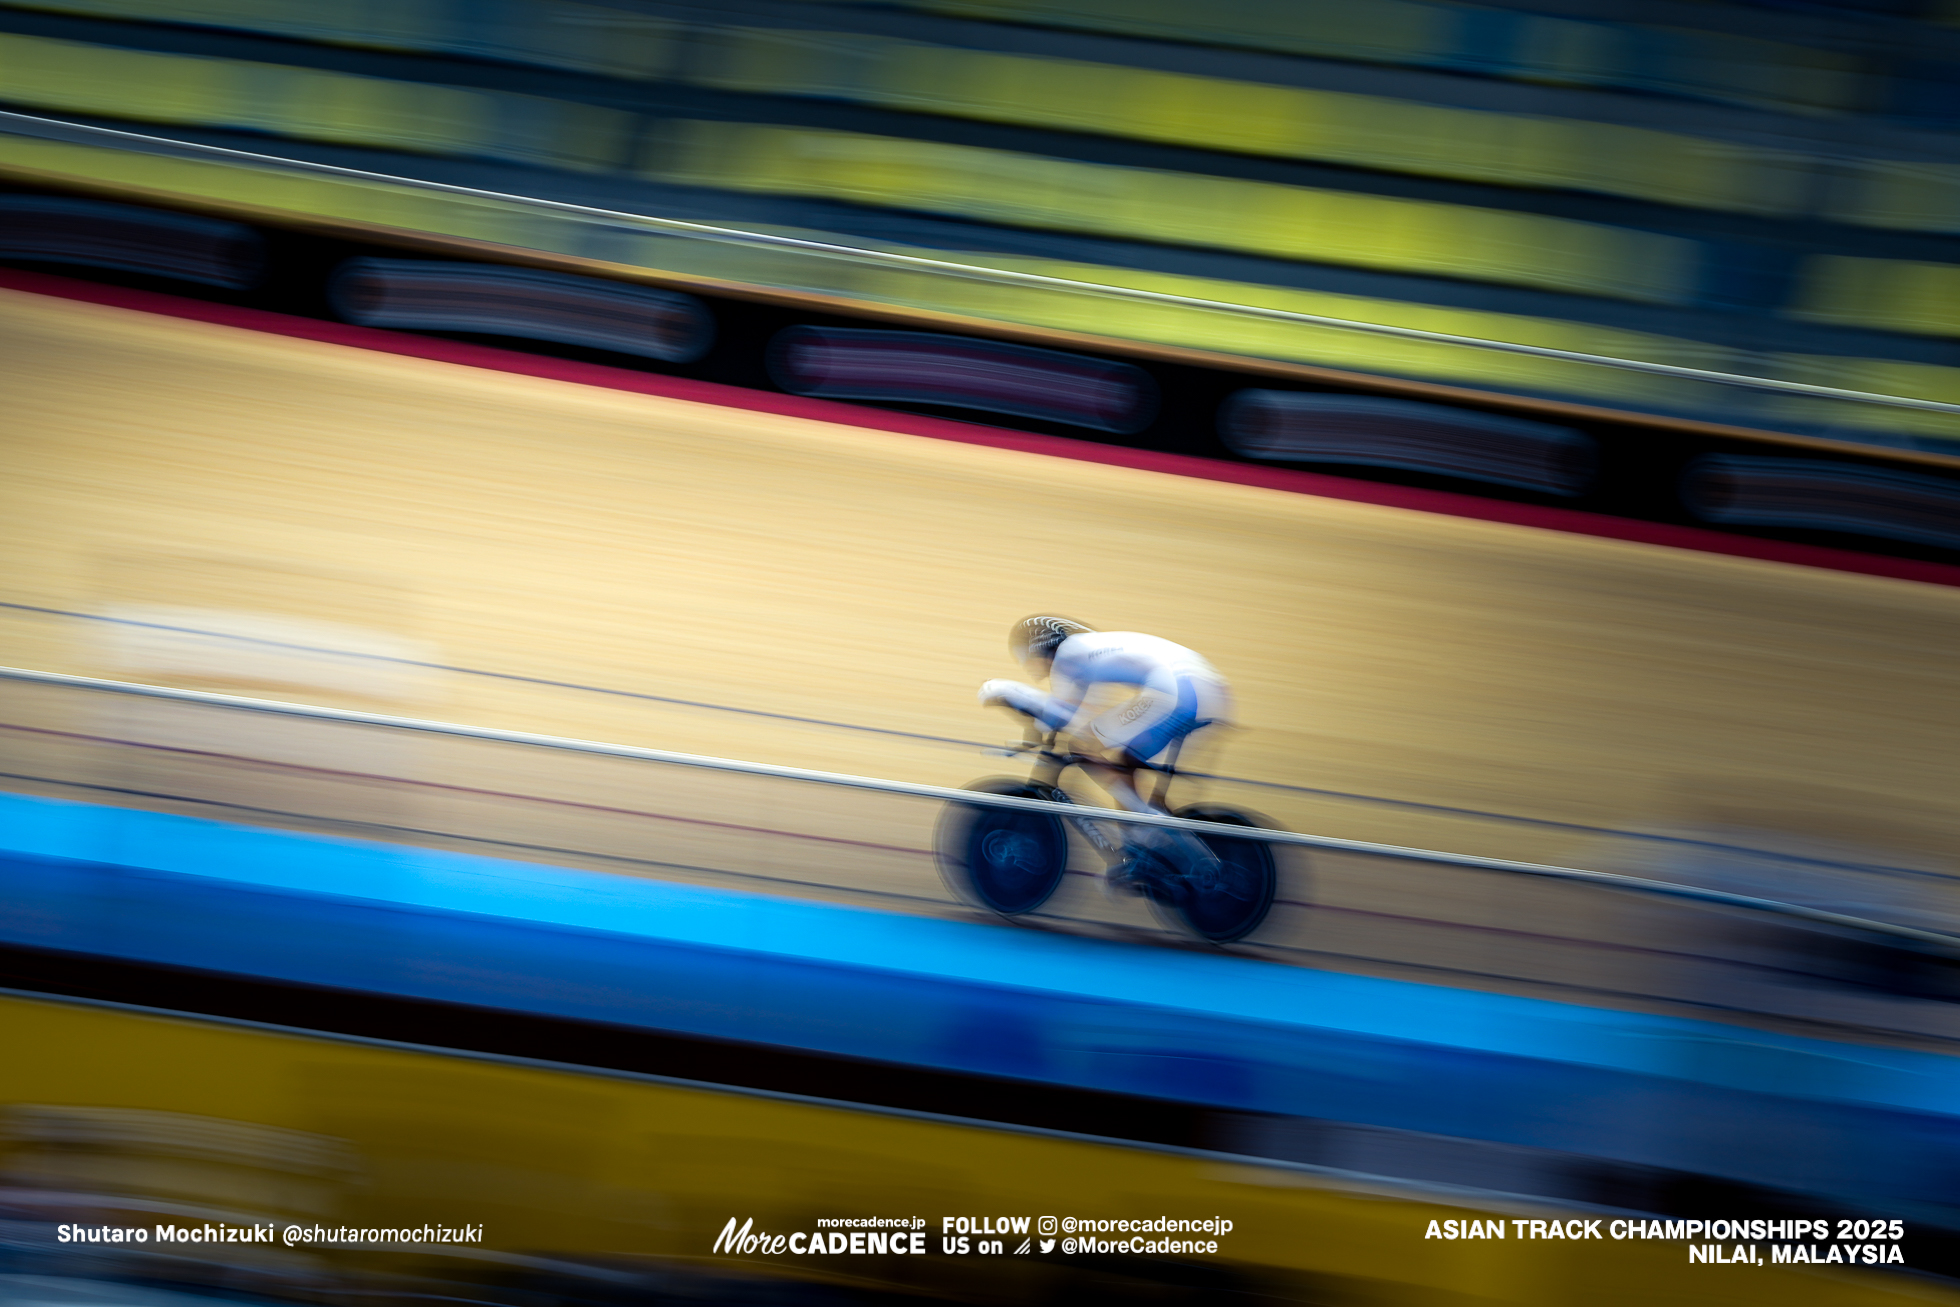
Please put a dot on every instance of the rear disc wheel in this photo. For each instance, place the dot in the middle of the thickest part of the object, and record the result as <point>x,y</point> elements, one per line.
<point>1248,879</point>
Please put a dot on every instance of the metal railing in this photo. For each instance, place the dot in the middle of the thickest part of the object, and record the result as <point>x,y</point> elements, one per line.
<point>788,262</point>
<point>1608,880</point>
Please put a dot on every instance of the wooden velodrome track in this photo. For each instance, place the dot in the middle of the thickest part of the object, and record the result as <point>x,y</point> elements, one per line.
<point>783,565</point>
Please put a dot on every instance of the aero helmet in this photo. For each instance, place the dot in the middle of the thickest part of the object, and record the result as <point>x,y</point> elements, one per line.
<point>1040,635</point>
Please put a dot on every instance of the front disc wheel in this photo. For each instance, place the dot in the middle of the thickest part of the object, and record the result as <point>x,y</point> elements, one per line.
<point>1002,859</point>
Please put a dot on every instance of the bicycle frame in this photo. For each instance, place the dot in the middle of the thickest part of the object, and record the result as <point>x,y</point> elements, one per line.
<point>1213,885</point>
<point>1050,767</point>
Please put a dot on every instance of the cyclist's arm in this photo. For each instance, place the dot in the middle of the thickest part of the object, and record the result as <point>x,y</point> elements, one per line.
<point>1060,710</point>
<point>1065,704</point>
<point>1053,711</point>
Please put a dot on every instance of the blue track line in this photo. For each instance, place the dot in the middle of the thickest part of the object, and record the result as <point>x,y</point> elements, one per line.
<point>1858,1122</point>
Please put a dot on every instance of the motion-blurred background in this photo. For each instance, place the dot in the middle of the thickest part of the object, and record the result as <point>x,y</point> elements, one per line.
<point>1547,416</point>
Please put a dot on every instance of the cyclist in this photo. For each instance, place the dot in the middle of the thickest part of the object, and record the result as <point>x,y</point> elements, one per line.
<point>1168,692</point>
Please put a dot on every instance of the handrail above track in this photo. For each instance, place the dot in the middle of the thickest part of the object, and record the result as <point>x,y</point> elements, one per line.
<point>567,744</point>
<point>82,133</point>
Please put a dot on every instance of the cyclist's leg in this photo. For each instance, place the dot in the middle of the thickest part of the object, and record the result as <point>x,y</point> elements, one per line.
<point>1113,756</point>
<point>1145,728</point>
<point>1136,735</point>
<point>1116,774</point>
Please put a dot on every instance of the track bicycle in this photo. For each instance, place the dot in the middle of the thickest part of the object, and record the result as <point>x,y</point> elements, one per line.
<point>1011,861</point>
